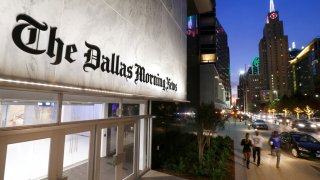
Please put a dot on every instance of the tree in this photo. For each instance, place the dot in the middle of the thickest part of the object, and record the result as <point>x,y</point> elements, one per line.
<point>298,111</point>
<point>207,119</point>
<point>309,112</point>
<point>286,111</point>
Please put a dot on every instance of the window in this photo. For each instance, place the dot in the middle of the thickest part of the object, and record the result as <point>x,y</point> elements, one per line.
<point>21,108</point>
<point>79,108</point>
<point>24,155</point>
<point>207,58</point>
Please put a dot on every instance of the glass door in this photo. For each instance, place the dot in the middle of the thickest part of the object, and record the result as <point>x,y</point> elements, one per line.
<point>107,153</point>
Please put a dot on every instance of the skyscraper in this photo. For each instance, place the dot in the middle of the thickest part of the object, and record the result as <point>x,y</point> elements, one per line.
<point>274,55</point>
<point>223,60</point>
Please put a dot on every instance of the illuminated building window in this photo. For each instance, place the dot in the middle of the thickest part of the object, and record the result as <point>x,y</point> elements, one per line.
<point>208,58</point>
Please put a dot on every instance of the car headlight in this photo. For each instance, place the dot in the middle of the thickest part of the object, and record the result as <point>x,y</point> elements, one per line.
<point>303,149</point>
<point>313,126</point>
<point>301,125</point>
<point>288,120</point>
<point>318,124</point>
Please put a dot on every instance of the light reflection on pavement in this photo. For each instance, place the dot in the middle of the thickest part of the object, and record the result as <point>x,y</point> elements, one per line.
<point>290,167</point>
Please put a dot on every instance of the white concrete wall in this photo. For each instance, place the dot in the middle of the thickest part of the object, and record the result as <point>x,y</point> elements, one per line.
<point>150,33</point>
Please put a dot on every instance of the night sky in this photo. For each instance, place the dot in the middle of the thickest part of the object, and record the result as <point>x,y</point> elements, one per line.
<point>243,20</point>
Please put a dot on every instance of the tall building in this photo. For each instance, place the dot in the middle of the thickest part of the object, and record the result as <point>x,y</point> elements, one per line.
<point>274,55</point>
<point>208,77</point>
<point>306,70</point>
<point>249,88</point>
<point>223,60</point>
<point>254,86</point>
<point>241,91</point>
<point>293,53</point>
<point>201,52</point>
<point>255,66</point>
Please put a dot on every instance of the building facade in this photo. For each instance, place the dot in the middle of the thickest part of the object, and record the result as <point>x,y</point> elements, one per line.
<point>208,56</point>
<point>305,70</point>
<point>223,61</point>
<point>242,91</point>
<point>274,55</point>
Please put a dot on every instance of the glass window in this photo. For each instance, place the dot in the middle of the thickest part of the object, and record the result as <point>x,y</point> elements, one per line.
<point>79,108</point>
<point>207,58</point>
<point>28,160</point>
<point>113,110</point>
<point>130,109</point>
<point>20,108</point>
<point>81,111</point>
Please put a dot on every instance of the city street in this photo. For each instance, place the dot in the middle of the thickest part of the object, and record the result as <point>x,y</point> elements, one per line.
<point>290,167</point>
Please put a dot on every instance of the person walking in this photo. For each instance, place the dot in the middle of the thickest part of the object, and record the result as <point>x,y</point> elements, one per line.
<point>271,144</point>
<point>246,143</point>
<point>276,141</point>
<point>257,145</point>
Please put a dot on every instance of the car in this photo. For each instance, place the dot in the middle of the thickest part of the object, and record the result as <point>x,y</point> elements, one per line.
<point>260,124</point>
<point>283,120</point>
<point>300,144</point>
<point>304,125</point>
<point>316,121</point>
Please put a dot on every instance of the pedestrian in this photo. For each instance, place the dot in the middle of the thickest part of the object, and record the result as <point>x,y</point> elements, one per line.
<point>276,143</point>
<point>246,143</point>
<point>271,144</point>
<point>257,144</point>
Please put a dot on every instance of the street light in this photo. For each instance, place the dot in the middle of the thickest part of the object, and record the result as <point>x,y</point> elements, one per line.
<point>276,94</point>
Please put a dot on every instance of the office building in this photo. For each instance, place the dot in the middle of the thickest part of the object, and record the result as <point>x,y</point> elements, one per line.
<point>293,53</point>
<point>223,61</point>
<point>242,91</point>
<point>306,70</point>
<point>274,55</point>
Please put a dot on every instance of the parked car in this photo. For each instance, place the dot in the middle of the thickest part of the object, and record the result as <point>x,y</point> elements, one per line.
<point>304,125</point>
<point>260,124</point>
<point>300,144</point>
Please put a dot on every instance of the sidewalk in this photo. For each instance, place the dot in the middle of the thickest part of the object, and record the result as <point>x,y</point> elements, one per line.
<point>290,168</point>
<point>155,175</point>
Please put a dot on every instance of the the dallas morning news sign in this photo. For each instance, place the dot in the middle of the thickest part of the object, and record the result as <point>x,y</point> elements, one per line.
<point>85,62</point>
<point>94,60</point>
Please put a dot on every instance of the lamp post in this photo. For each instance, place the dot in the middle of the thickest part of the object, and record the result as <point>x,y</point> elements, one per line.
<point>276,94</point>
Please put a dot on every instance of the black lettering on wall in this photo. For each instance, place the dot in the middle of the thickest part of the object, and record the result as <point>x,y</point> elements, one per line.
<point>105,66</point>
<point>129,72</point>
<point>52,40</point>
<point>17,32</point>
<point>58,49</point>
<point>93,57</point>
